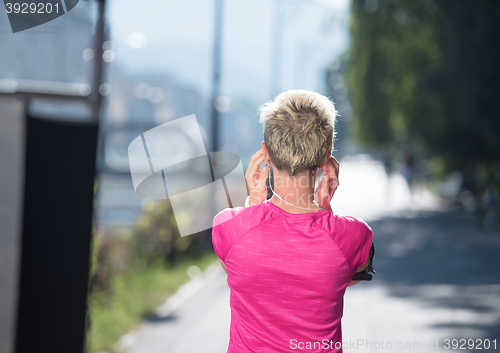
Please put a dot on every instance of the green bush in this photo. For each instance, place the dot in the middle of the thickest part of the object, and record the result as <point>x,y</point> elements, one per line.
<point>133,270</point>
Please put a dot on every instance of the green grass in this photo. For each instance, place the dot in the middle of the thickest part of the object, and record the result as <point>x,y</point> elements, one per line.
<point>134,296</point>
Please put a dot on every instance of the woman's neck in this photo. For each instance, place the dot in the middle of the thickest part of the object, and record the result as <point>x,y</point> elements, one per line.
<point>297,191</point>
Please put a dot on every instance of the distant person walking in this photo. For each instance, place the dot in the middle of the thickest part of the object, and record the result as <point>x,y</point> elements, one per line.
<point>408,172</point>
<point>409,167</point>
<point>289,259</point>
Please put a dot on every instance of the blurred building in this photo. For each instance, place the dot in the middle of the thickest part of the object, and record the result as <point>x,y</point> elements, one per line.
<point>52,51</point>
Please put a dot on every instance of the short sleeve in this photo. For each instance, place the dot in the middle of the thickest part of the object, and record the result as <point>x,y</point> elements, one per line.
<point>354,236</point>
<point>218,235</point>
<point>222,232</point>
<point>365,238</point>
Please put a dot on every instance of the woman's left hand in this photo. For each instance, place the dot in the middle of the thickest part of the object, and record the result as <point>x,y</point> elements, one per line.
<point>328,184</point>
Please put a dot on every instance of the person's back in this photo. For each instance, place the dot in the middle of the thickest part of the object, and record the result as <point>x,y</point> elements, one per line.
<point>288,274</point>
<point>289,259</point>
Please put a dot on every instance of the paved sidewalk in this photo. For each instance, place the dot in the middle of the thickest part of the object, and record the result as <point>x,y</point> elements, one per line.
<point>436,279</point>
<point>195,320</point>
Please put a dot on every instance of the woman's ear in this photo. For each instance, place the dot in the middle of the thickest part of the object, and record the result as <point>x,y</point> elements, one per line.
<point>267,159</point>
<point>326,158</point>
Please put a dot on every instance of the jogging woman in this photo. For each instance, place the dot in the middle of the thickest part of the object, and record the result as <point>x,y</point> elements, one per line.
<point>290,258</point>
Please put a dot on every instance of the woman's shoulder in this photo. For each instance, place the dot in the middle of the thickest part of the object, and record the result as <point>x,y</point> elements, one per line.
<point>352,220</point>
<point>336,221</point>
<point>254,214</point>
<point>226,214</point>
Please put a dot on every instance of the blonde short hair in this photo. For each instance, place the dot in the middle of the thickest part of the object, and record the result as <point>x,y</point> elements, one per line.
<point>298,129</point>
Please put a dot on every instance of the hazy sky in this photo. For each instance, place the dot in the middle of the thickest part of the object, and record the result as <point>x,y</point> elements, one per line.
<point>177,38</point>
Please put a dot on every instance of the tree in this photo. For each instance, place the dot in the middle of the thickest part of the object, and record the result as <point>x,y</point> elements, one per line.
<point>425,74</point>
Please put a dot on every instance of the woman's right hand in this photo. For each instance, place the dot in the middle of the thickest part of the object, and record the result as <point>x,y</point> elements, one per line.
<point>328,184</point>
<point>256,179</point>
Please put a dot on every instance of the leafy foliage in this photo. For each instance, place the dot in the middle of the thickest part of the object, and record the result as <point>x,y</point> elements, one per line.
<point>134,270</point>
<point>154,240</point>
<point>424,74</point>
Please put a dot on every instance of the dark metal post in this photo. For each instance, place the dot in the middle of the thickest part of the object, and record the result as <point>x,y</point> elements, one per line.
<point>97,81</point>
<point>216,74</point>
<point>206,241</point>
<point>277,47</point>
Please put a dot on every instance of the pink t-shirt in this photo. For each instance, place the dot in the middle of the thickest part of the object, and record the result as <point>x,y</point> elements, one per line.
<point>288,274</point>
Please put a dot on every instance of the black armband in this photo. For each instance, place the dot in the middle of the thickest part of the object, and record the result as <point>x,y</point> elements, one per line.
<point>364,275</point>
